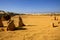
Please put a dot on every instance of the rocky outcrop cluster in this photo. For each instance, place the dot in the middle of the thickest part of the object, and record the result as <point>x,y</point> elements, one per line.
<point>11,25</point>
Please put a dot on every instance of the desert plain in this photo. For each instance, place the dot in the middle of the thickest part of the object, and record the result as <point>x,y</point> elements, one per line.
<point>37,27</point>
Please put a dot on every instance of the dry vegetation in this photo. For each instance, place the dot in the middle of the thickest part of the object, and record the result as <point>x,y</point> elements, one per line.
<point>38,27</point>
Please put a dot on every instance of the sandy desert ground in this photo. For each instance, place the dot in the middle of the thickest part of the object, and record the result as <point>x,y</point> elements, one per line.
<point>38,27</point>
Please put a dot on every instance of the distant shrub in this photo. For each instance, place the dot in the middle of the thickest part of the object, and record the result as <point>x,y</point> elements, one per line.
<point>22,14</point>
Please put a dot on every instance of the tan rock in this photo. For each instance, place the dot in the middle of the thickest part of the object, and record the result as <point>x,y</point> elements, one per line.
<point>11,26</point>
<point>21,22</point>
<point>1,24</point>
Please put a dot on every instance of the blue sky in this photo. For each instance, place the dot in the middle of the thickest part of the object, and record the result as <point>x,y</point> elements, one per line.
<point>24,6</point>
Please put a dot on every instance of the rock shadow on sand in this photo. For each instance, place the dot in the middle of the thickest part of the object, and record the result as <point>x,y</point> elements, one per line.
<point>31,25</point>
<point>18,28</point>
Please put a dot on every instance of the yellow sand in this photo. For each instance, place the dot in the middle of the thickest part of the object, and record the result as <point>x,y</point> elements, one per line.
<point>38,27</point>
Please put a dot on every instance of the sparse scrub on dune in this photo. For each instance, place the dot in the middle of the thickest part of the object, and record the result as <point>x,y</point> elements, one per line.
<point>6,17</point>
<point>22,14</point>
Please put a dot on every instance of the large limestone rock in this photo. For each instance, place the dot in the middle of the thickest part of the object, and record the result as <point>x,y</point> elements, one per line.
<point>17,21</point>
<point>11,26</point>
<point>55,23</point>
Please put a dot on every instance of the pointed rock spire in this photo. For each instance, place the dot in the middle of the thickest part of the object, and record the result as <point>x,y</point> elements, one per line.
<point>21,22</point>
<point>11,26</point>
